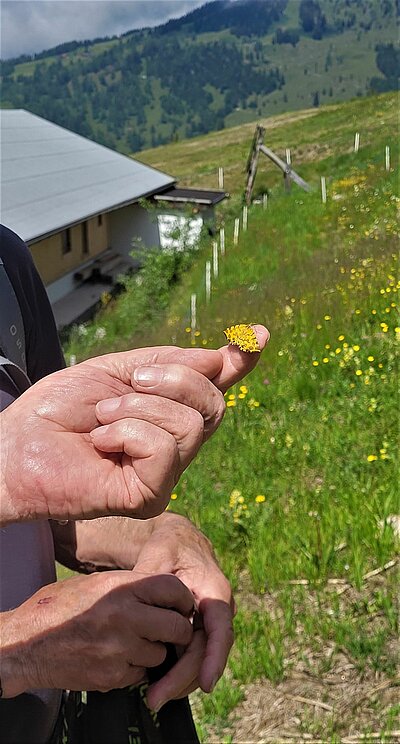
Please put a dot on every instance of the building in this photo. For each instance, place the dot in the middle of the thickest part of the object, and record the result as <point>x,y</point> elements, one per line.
<point>77,205</point>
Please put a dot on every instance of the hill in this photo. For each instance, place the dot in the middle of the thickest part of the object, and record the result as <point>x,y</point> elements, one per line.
<point>221,65</point>
<point>298,489</point>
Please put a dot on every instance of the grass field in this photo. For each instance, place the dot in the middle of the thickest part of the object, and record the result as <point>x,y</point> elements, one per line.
<point>298,490</point>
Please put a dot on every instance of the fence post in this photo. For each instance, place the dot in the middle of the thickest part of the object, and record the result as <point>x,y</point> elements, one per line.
<point>387,158</point>
<point>323,189</point>
<point>356,141</point>
<point>221,178</point>
<point>236,231</point>
<point>193,319</point>
<point>265,201</point>
<point>215,258</point>
<point>222,240</point>
<point>208,281</point>
<point>244,218</point>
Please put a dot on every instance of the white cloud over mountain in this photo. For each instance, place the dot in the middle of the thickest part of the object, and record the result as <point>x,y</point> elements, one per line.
<point>29,26</point>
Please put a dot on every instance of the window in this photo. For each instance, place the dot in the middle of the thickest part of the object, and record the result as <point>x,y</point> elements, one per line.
<point>66,241</point>
<point>99,220</point>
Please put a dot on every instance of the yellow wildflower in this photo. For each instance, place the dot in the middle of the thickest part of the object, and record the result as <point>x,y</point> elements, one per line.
<point>260,498</point>
<point>371,458</point>
<point>174,496</point>
<point>358,372</point>
<point>231,403</point>
<point>243,389</point>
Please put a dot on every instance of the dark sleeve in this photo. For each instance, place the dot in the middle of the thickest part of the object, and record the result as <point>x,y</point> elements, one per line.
<point>43,350</point>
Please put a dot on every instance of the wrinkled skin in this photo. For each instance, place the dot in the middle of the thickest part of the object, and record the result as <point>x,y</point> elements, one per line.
<point>68,468</point>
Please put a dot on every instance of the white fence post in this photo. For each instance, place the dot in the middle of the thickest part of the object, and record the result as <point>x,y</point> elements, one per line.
<point>387,158</point>
<point>193,319</point>
<point>236,231</point>
<point>356,141</point>
<point>208,281</point>
<point>222,240</point>
<point>215,258</point>
<point>288,156</point>
<point>221,178</point>
<point>265,201</point>
<point>244,218</point>
<point>323,189</point>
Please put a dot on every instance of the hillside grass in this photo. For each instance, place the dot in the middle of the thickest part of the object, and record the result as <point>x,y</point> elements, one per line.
<point>298,489</point>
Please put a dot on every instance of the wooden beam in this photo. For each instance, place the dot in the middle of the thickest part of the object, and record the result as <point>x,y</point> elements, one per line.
<point>285,168</point>
<point>252,162</point>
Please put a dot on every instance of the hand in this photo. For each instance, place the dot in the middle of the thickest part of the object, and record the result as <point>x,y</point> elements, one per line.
<point>68,470</point>
<point>177,547</point>
<point>95,632</point>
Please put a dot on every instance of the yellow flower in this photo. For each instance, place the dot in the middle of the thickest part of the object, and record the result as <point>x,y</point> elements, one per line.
<point>370,358</point>
<point>327,317</point>
<point>341,338</point>
<point>345,345</point>
<point>188,330</point>
<point>358,312</point>
<point>174,496</point>
<point>243,336</point>
<point>319,326</point>
<point>358,372</point>
<point>260,498</point>
<point>371,458</point>
<point>356,348</point>
<point>231,403</point>
<point>243,389</point>
<point>325,360</point>
<point>231,396</point>
<point>373,312</point>
<point>315,364</point>
<point>288,440</point>
<point>338,350</point>
<point>241,396</point>
<point>327,346</point>
<point>197,333</point>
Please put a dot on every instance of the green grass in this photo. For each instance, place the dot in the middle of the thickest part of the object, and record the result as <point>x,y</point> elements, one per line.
<point>314,432</point>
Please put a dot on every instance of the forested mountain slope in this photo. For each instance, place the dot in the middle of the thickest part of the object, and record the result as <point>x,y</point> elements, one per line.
<point>223,64</point>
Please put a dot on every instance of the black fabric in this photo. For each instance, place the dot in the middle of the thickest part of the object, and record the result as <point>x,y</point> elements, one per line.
<point>122,716</point>
<point>43,351</point>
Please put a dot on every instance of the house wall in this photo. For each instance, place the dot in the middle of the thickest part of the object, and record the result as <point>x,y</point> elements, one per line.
<point>132,226</point>
<point>53,264</point>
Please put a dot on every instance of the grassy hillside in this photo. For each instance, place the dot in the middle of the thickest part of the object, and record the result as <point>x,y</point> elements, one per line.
<point>298,489</point>
<point>206,72</point>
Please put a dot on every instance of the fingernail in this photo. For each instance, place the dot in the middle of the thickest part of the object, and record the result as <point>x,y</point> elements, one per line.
<point>99,431</point>
<point>148,376</point>
<point>109,405</point>
<point>157,707</point>
<point>213,683</point>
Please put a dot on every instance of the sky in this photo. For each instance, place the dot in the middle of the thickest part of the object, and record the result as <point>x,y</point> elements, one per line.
<point>29,26</point>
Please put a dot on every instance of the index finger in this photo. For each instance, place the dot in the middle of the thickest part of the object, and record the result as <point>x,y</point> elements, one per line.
<point>217,620</point>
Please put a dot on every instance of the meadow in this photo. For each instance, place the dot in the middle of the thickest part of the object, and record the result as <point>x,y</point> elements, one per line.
<point>298,490</point>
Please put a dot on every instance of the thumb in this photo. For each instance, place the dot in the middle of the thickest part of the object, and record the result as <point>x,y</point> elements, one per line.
<point>236,363</point>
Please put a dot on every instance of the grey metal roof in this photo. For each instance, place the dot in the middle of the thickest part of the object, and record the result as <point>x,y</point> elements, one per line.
<point>52,178</point>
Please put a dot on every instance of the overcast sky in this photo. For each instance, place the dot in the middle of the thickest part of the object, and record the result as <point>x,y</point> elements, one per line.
<point>29,26</point>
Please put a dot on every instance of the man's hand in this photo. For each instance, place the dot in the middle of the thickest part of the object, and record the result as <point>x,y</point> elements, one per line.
<point>177,547</point>
<point>95,632</point>
<point>57,462</point>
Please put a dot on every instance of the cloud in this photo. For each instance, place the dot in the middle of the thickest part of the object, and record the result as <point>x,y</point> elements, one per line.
<point>29,26</point>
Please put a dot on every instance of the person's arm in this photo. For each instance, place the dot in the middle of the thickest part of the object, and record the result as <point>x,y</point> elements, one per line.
<point>93,632</point>
<point>167,544</point>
